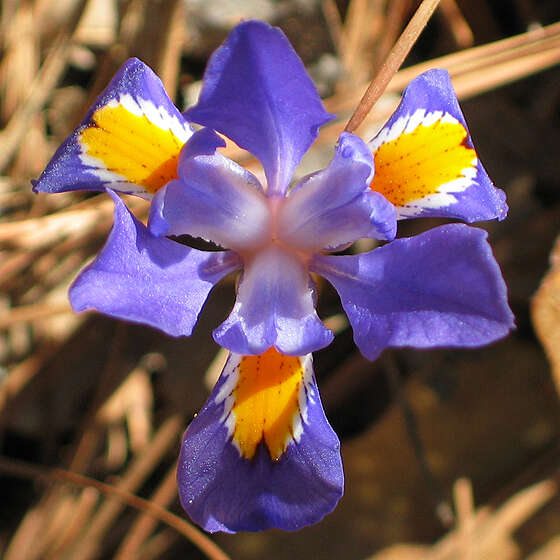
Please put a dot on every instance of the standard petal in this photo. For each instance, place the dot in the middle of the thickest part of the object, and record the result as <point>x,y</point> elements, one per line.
<point>440,288</point>
<point>148,279</point>
<point>256,91</point>
<point>129,141</point>
<point>335,206</point>
<point>261,453</point>
<point>214,198</point>
<point>274,307</point>
<point>425,162</point>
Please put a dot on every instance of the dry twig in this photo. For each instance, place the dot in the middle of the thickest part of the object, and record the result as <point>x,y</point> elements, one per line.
<point>392,64</point>
<point>26,470</point>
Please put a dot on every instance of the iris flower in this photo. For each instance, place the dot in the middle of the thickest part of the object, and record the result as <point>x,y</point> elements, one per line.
<point>261,453</point>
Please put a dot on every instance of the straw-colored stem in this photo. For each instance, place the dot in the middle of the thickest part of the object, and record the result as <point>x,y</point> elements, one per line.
<point>26,470</point>
<point>393,62</point>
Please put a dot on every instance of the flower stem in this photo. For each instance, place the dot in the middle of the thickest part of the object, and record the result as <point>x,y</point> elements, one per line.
<point>392,63</point>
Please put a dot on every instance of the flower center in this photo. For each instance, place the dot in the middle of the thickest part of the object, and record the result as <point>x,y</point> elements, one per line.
<point>272,237</point>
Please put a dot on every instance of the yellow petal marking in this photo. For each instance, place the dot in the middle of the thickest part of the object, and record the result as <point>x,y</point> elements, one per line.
<point>266,402</point>
<point>132,146</point>
<point>415,164</point>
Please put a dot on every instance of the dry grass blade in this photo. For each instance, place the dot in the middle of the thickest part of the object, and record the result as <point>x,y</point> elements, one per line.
<point>34,233</point>
<point>39,232</point>
<point>170,59</point>
<point>82,508</point>
<point>545,311</point>
<point>393,62</point>
<point>486,78</point>
<point>485,55</point>
<point>465,514</point>
<point>520,507</point>
<point>362,26</point>
<point>19,62</point>
<point>486,534</point>
<point>332,17</point>
<point>88,543</point>
<point>479,533</point>
<point>21,469</point>
<point>550,551</point>
<point>397,13</point>
<point>40,90</point>
<point>144,526</point>
<point>534,44</point>
<point>32,313</point>
<point>460,29</point>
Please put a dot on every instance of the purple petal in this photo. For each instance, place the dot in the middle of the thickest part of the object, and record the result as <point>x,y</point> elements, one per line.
<point>274,307</point>
<point>147,279</point>
<point>425,160</point>
<point>440,288</point>
<point>256,91</point>
<point>223,490</point>
<point>335,206</point>
<point>129,141</point>
<point>214,198</point>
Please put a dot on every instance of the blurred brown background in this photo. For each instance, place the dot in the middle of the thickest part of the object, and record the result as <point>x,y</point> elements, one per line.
<point>448,454</point>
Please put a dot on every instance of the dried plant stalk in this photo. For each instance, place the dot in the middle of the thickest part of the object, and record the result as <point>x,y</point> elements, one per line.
<point>394,61</point>
<point>21,469</point>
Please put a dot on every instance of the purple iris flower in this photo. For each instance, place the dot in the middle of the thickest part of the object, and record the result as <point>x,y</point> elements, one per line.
<point>261,453</point>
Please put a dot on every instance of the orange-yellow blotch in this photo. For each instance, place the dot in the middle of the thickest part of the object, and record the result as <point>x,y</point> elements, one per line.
<point>415,164</point>
<point>266,402</point>
<point>132,146</point>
